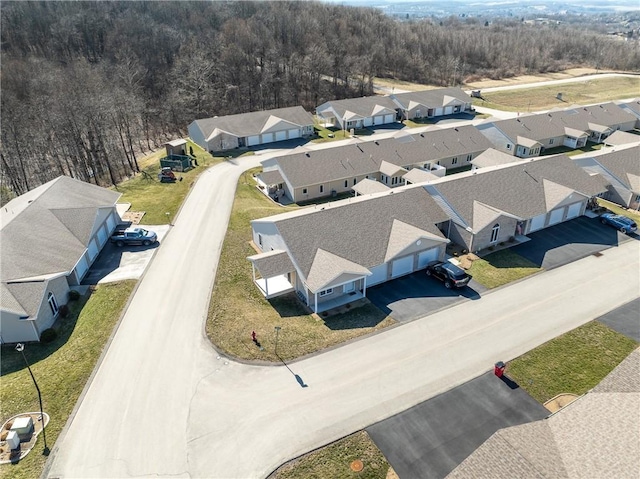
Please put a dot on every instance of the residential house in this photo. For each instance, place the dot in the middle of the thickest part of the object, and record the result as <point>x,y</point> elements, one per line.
<point>491,205</point>
<point>431,103</point>
<point>632,107</point>
<point>622,138</point>
<point>358,113</point>
<point>491,157</point>
<point>329,254</point>
<point>620,170</point>
<point>50,236</point>
<point>308,175</point>
<point>251,129</point>
<point>530,135</point>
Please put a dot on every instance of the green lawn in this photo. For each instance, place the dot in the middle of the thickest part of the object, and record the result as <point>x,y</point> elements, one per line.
<point>333,461</point>
<point>572,363</point>
<point>328,134</point>
<point>61,368</point>
<point>578,92</point>
<point>237,307</point>
<point>501,267</point>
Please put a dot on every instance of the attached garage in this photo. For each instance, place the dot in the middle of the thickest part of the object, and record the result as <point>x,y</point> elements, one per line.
<point>427,257</point>
<point>81,269</point>
<point>537,222</point>
<point>102,235</point>
<point>368,121</point>
<point>281,135</point>
<point>574,210</point>
<point>267,137</point>
<point>111,222</point>
<point>439,112</point>
<point>378,119</point>
<point>388,118</point>
<point>93,249</point>
<point>253,140</point>
<point>294,134</point>
<point>402,266</point>
<point>556,216</point>
<point>448,110</point>
<point>378,274</point>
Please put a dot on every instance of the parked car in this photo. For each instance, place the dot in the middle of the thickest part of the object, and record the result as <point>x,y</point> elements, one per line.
<point>134,236</point>
<point>619,222</point>
<point>451,274</point>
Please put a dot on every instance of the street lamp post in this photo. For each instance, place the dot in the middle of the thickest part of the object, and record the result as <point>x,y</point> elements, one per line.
<point>20,348</point>
<point>277,328</point>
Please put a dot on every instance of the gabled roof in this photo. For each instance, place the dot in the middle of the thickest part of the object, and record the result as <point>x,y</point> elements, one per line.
<point>362,107</point>
<point>22,298</point>
<point>46,230</point>
<point>624,164</point>
<point>492,157</point>
<point>271,177</point>
<point>357,230</point>
<point>367,187</point>
<point>620,138</point>
<point>327,266</point>
<point>436,98</point>
<point>256,122</point>
<point>404,235</point>
<point>364,158</point>
<point>390,169</point>
<point>272,263</point>
<point>418,175</point>
<point>523,189</point>
<point>633,106</point>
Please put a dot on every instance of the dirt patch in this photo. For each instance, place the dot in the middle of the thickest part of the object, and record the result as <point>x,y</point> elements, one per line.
<point>391,474</point>
<point>133,216</point>
<point>466,260</point>
<point>560,401</point>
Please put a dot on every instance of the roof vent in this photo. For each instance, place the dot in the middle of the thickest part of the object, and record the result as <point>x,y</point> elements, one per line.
<point>376,142</point>
<point>422,135</point>
<point>456,129</point>
<point>307,155</point>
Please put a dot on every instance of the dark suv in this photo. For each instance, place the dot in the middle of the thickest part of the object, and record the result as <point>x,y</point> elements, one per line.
<point>451,274</point>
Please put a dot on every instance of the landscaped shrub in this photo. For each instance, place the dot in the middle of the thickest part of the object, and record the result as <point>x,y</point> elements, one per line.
<point>74,295</point>
<point>64,311</point>
<point>8,426</point>
<point>48,335</point>
<point>501,243</point>
<point>3,436</point>
<point>490,248</point>
<point>512,239</point>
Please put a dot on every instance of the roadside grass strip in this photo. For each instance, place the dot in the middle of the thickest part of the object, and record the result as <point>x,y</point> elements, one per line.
<point>500,268</point>
<point>618,210</point>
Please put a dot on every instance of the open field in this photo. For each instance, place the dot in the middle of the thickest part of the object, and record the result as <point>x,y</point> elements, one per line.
<point>237,306</point>
<point>572,363</point>
<point>61,368</point>
<point>544,97</point>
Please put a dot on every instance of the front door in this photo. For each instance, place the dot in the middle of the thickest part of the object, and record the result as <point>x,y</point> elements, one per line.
<point>350,287</point>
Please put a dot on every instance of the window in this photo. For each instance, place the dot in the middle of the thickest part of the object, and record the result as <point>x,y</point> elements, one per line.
<point>260,239</point>
<point>508,146</point>
<point>454,160</point>
<point>321,188</point>
<point>346,183</point>
<point>637,197</point>
<point>469,157</point>
<point>53,304</point>
<point>551,141</point>
<point>355,181</point>
<point>304,191</point>
<point>494,233</point>
<point>325,292</point>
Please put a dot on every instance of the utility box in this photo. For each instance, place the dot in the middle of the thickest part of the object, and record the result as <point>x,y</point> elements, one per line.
<point>23,426</point>
<point>13,440</point>
<point>498,370</point>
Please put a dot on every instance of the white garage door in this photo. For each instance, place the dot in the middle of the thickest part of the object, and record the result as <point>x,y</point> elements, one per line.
<point>378,275</point>
<point>368,121</point>
<point>556,216</point>
<point>294,134</point>
<point>281,135</point>
<point>102,235</point>
<point>267,137</point>
<point>426,257</point>
<point>253,140</point>
<point>448,110</point>
<point>389,118</point>
<point>81,268</point>
<point>93,249</point>
<point>402,266</point>
<point>439,112</point>
<point>574,210</point>
<point>537,223</point>
<point>111,222</point>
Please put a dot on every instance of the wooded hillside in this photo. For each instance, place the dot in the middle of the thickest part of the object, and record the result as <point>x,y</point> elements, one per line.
<point>87,86</point>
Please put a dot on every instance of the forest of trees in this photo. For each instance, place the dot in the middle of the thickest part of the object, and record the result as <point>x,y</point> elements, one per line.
<point>88,86</point>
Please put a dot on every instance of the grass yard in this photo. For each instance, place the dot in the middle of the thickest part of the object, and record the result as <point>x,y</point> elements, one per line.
<point>334,460</point>
<point>328,134</point>
<point>544,97</point>
<point>572,363</point>
<point>61,368</point>
<point>500,268</point>
<point>146,193</point>
<point>618,210</point>
<point>237,307</point>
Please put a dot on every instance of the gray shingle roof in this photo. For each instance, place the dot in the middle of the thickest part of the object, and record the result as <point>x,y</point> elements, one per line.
<point>364,158</point>
<point>492,157</point>
<point>47,230</point>
<point>431,98</point>
<point>22,298</point>
<point>253,123</point>
<point>271,177</point>
<point>624,164</point>
<point>524,189</point>
<point>272,263</point>
<point>618,138</point>
<point>367,187</point>
<point>366,106</point>
<point>359,229</point>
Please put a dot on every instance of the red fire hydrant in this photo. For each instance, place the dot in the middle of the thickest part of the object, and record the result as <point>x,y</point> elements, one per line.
<point>253,336</point>
<point>498,370</point>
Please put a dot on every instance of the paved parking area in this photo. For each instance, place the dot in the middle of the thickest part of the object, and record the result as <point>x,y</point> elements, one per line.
<point>129,262</point>
<point>567,242</point>
<point>432,438</point>
<point>417,295</point>
<point>625,319</point>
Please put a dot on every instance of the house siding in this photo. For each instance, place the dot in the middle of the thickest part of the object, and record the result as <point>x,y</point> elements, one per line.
<point>459,235</point>
<point>482,238</point>
<point>196,135</point>
<point>15,330</point>
<point>45,317</point>
<point>499,139</point>
<point>313,191</point>
<point>268,233</point>
<point>222,142</point>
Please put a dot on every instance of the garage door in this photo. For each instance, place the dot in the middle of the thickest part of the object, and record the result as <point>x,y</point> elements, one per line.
<point>448,110</point>
<point>267,138</point>
<point>537,223</point>
<point>294,133</point>
<point>81,268</point>
<point>93,249</point>
<point>556,216</point>
<point>253,140</point>
<point>281,135</point>
<point>368,121</point>
<point>439,111</point>
<point>402,266</point>
<point>378,275</point>
<point>111,222</point>
<point>427,257</point>
<point>389,118</point>
<point>574,210</point>
<point>102,235</point>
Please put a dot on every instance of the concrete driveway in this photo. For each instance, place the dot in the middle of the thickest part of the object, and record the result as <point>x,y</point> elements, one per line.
<point>129,262</point>
<point>567,242</point>
<point>431,439</point>
<point>417,295</point>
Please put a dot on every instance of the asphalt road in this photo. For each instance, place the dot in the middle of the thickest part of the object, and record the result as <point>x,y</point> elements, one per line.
<point>431,439</point>
<point>625,319</point>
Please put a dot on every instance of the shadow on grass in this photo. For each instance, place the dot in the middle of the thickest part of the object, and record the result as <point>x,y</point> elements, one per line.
<point>289,305</point>
<point>13,361</point>
<point>366,316</point>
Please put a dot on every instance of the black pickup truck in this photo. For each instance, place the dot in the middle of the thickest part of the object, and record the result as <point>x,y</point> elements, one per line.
<point>133,236</point>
